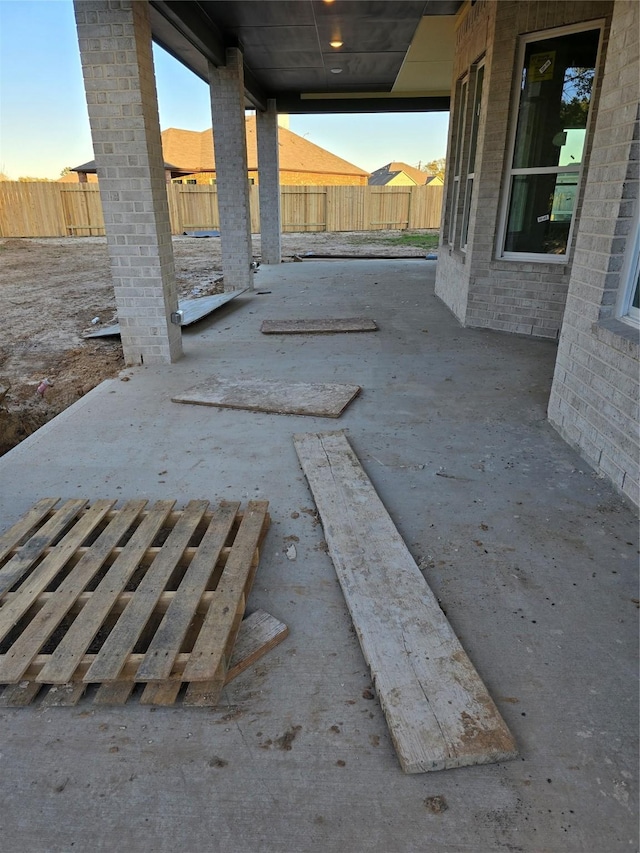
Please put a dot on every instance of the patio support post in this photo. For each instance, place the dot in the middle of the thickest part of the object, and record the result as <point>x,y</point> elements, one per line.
<point>117,64</point>
<point>229,139</point>
<point>269,184</point>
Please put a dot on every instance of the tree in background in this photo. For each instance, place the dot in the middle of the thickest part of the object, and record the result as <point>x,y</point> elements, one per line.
<point>436,167</point>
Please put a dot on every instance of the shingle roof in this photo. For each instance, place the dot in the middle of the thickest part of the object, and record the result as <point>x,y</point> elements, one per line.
<point>397,166</point>
<point>193,151</point>
<point>381,178</point>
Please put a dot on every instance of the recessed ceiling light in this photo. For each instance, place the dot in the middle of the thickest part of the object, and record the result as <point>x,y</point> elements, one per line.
<point>336,70</point>
<point>336,43</point>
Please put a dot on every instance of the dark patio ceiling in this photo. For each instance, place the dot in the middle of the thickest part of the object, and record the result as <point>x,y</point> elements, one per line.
<point>288,56</point>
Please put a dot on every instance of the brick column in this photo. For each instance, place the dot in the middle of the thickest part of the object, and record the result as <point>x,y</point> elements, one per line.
<point>269,184</point>
<point>230,144</point>
<point>117,64</point>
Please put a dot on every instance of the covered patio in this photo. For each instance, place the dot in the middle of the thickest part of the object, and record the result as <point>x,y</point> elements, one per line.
<point>532,556</point>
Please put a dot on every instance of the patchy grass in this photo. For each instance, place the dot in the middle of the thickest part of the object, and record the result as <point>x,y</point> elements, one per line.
<point>420,241</point>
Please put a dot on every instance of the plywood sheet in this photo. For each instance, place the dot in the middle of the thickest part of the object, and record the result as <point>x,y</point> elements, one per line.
<point>323,400</point>
<point>192,309</point>
<point>321,326</point>
<point>439,712</point>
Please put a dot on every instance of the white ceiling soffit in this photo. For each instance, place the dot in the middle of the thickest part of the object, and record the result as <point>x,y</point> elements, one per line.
<point>428,66</point>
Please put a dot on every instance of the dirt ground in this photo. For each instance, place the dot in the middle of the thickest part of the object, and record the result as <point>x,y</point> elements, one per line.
<point>52,288</point>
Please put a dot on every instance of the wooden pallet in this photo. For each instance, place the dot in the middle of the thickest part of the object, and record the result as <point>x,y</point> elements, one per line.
<point>95,595</point>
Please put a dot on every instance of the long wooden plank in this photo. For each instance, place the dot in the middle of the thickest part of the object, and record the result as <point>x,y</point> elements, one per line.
<point>45,622</point>
<point>118,645</point>
<point>439,712</point>
<point>171,632</point>
<point>12,537</point>
<point>21,562</point>
<point>320,326</point>
<point>99,604</point>
<point>323,400</point>
<point>208,650</point>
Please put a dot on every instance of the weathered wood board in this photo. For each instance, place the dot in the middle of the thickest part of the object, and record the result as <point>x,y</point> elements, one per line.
<point>439,712</point>
<point>321,326</point>
<point>192,310</point>
<point>323,400</point>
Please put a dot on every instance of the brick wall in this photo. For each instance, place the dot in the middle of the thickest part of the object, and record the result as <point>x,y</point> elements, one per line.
<point>117,64</point>
<point>594,398</point>
<point>523,297</point>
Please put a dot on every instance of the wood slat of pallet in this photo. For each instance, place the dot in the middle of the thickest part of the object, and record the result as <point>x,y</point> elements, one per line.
<point>24,525</point>
<point>99,604</point>
<point>171,632</point>
<point>323,400</point>
<point>258,634</point>
<point>439,712</point>
<point>207,660</point>
<point>45,622</point>
<point>120,642</point>
<point>318,327</point>
<point>19,695</point>
<point>134,660</point>
<point>45,573</point>
<point>64,695</point>
<point>21,562</point>
<point>114,693</point>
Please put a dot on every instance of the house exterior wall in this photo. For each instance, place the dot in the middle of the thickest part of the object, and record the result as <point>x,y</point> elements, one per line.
<point>594,397</point>
<point>526,297</point>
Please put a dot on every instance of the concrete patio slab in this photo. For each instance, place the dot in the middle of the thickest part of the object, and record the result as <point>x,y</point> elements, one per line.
<point>532,557</point>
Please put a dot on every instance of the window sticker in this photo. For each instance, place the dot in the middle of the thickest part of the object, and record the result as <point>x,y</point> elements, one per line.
<point>541,66</point>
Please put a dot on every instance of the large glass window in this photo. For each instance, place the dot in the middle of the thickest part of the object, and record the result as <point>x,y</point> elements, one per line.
<point>557,76</point>
<point>629,304</point>
<point>473,144</point>
<point>461,109</point>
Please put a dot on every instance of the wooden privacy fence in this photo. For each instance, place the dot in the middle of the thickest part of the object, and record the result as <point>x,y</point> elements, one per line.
<point>74,210</point>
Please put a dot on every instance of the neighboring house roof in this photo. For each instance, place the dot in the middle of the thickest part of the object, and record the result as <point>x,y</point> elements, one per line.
<point>392,169</point>
<point>381,178</point>
<point>193,152</point>
<point>90,168</point>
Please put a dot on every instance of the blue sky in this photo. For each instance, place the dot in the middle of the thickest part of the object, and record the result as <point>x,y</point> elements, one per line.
<point>43,115</point>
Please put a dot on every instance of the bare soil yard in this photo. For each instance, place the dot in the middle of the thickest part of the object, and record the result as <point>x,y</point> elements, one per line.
<point>52,288</point>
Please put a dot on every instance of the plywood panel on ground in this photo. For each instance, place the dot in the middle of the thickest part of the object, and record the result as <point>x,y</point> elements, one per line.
<point>439,712</point>
<point>323,400</point>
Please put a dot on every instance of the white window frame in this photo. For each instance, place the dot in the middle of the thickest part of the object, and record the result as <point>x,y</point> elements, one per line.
<point>510,172</point>
<point>476,113</point>
<point>629,277</point>
<point>458,156</point>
